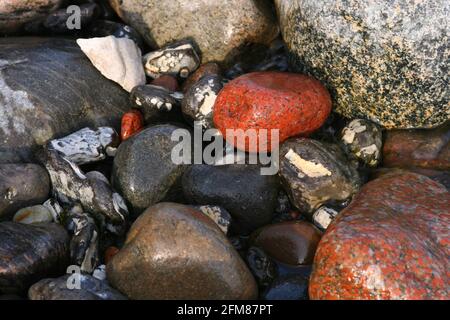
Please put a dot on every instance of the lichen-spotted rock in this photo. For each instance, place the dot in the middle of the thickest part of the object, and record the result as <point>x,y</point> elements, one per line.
<point>385,61</point>
<point>219,28</point>
<point>391,242</point>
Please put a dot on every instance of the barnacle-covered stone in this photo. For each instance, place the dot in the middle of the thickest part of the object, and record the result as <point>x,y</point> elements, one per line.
<point>363,140</point>
<point>385,61</point>
<point>132,123</point>
<point>118,59</point>
<point>179,59</point>
<point>71,186</point>
<point>87,145</point>
<point>323,216</point>
<point>218,214</point>
<point>60,20</point>
<point>198,102</point>
<point>314,173</point>
<point>391,242</point>
<point>150,98</point>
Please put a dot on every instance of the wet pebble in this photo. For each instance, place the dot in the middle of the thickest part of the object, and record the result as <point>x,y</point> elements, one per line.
<point>207,69</point>
<point>363,140</point>
<point>29,252</point>
<point>291,287</point>
<point>21,185</point>
<point>179,59</point>
<point>167,81</point>
<point>262,267</point>
<point>248,196</point>
<point>104,28</point>
<point>132,123</point>
<point>199,100</point>
<point>218,214</point>
<point>152,100</point>
<point>62,21</point>
<point>34,214</point>
<point>175,237</point>
<point>73,287</point>
<point>293,242</point>
<point>314,173</point>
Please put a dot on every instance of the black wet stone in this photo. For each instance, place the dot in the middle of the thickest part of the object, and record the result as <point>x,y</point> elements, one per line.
<point>64,288</point>
<point>385,61</point>
<point>262,267</point>
<point>29,253</point>
<point>290,287</point>
<point>21,185</point>
<point>48,89</point>
<point>143,171</point>
<point>250,197</point>
<point>104,28</point>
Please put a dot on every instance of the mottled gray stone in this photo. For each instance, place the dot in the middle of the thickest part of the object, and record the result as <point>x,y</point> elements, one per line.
<point>48,89</point>
<point>219,28</point>
<point>29,253</point>
<point>15,13</point>
<point>21,185</point>
<point>63,288</point>
<point>174,251</point>
<point>143,170</point>
<point>385,61</point>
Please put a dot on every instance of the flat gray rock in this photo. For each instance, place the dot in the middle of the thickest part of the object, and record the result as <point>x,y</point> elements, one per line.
<point>48,89</point>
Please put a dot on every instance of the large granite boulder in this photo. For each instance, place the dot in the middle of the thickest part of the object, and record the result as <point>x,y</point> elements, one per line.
<point>219,28</point>
<point>48,88</point>
<point>385,61</point>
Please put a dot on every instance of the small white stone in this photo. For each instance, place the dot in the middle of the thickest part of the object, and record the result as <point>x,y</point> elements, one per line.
<point>323,217</point>
<point>118,59</point>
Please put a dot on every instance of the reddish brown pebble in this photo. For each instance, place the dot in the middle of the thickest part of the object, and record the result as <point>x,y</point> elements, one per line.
<point>207,69</point>
<point>293,103</point>
<point>132,123</point>
<point>110,253</point>
<point>418,148</point>
<point>166,81</point>
<point>292,242</point>
<point>391,242</point>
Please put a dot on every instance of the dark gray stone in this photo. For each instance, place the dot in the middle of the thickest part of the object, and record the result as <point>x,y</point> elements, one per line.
<point>143,172</point>
<point>48,89</point>
<point>58,289</point>
<point>386,61</point>
<point>29,253</point>
<point>21,185</point>
<point>251,198</point>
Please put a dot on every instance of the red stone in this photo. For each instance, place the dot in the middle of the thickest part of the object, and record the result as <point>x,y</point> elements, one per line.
<point>391,242</point>
<point>291,242</point>
<point>167,81</point>
<point>418,148</point>
<point>207,69</point>
<point>132,123</point>
<point>293,103</point>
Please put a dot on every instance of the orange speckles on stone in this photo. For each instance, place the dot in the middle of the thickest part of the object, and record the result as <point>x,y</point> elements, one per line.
<point>293,103</point>
<point>387,244</point>
<point>132,123</point>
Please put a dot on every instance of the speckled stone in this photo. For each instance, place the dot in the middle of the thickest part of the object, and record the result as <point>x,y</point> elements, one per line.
<point>15,13</point>
<point>48,89</point>
<point>391,242</point>
<point>174,251</point>
<point>294,104</point>
<point>291,242</point>
<point>29,253</point>
<point>207,69</point>
<point>57,289</point>
<point>219,28</point>
<point>385,61</point>
<point>418,148</point>
<point>21,185</point>
<point>314,173</point>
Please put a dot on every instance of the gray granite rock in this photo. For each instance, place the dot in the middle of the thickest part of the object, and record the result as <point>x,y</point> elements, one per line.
<point>385,61</point>
<point>143,172</point>
<point>21,185</point>
<point>48,89</point>
<point>218,27</point>
<point>29,253</point>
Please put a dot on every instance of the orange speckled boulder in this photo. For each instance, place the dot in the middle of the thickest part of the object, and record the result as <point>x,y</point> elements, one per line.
<point>293,103</point>
<point>391,242</point>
